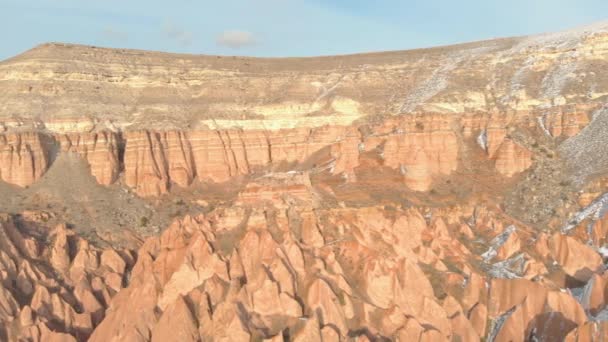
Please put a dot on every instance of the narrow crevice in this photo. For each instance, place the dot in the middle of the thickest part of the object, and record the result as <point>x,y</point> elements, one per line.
<point>51,147</point>
<point>121,145</point>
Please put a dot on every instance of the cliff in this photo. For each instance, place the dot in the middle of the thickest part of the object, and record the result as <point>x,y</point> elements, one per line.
<point>443,194</point>
<point>213,118</point>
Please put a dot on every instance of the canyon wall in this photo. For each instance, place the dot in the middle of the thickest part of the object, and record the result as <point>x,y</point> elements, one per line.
<point>421,148</point>
<point>24,157</point>
<point>424,195</point>
<point>159,120</point>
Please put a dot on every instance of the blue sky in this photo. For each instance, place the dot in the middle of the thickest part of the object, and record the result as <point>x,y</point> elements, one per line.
<point>282,27</point>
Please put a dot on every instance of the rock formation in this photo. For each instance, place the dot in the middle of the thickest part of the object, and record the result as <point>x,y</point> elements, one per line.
<point>428,195</point>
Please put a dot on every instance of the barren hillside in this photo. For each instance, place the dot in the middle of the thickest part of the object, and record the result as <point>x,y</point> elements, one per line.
<point>451,193</point>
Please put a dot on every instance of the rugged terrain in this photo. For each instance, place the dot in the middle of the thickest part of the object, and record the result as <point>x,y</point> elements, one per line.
<point>452,193</point>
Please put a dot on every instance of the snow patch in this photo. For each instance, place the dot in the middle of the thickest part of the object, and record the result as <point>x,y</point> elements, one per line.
<point>541,123</point>
<point>508,269</point>
<point>482,140</point>
<point>596,210</point>
<point>497,242</point>
<point>438,80</point>
<point>556,78</point>
<point>498,323</point>
<point>568,39</point>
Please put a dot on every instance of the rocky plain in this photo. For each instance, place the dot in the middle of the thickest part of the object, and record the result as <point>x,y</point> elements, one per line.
<point>456,193</point>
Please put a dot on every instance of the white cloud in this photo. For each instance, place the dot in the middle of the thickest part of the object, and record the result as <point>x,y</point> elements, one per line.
<point>235,39</point>
<point>177,34</point>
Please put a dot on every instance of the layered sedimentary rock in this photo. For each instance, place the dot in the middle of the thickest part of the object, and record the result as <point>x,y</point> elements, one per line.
<point>178,157</point>
<point>146,164</point>
<point>389,196</point>
<point>100,150</point>
<point>24,157</point>
<point>511,158</point>
<point>215,118</point>
<point>96,87</point>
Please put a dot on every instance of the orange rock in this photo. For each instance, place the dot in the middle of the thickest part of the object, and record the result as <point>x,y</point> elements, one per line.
<point>594,297</point>
<point>511,246</point>
<point>461,326</point>
<point>309,332</point>
<point>145,164</point>
<point>176,324</point>
<point>512,158</point>
<point>60,253</point>
<point>321,297</point>
<point>8,305</point>
<point>412,331</point>
<point>478,316</point>
<point>422,155</point>
<point>266,300</point>
<point>566,124</point>
<point>111,259</point>
<point>508,293</point>
<point>590,331</point>
<point>100,150</point>
<point>23,157</point>
<point>577,260</point>
<point>26,316</point>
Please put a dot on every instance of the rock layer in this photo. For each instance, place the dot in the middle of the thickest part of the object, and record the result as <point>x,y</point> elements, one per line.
<point>24,157</point>
<point>338,198</point>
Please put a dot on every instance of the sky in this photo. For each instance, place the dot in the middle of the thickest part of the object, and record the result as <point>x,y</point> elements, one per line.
<point>277,28</point>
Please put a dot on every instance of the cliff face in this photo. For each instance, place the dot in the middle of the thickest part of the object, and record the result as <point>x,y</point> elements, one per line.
<point>421,148</point>
<point>215,118</point>
<point>453,193</point>
<point>100,150</point>
<point>27,156</point>
<point>155,161</point>
<point>23,157</point>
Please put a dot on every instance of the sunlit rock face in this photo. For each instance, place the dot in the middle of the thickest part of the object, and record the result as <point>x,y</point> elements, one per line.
<point>214,118</point>
<point>447,194</point>
<point>297,271</point>
<point>24,158</point>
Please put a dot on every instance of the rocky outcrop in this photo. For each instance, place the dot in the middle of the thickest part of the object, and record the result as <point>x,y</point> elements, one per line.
<point>419,148</point>
<point>365,198</point>
<point>578,260</point>
<point>146,167</point>
<point>163,158</point>
<point>24,157</point>
<point>273,265</point>
<point>550,73</point>
<point>57,290</point>
<point>512,158</point>
<point>100,150</point>
<point>191,127</point>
